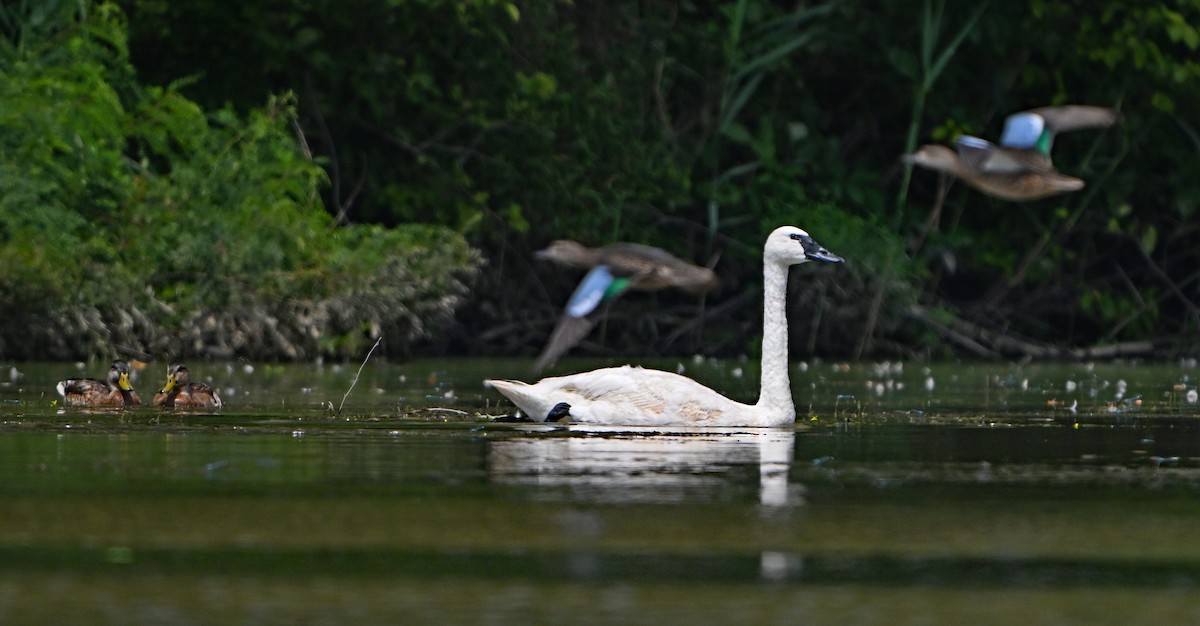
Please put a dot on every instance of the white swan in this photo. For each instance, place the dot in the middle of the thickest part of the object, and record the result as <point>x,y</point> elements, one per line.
<point>639,397</point>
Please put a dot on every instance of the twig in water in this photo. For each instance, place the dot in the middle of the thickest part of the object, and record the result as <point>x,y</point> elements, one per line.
<point>440,410</point>
<point>357,374</point>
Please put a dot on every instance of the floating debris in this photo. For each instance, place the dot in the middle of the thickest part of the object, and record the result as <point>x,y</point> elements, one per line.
<point>887,368</point>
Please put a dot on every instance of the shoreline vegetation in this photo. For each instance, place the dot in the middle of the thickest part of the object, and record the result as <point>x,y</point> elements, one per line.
<point>134,223</point>
<point>294,180</point>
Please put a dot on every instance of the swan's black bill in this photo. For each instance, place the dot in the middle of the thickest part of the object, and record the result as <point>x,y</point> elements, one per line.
<point>815,251</point>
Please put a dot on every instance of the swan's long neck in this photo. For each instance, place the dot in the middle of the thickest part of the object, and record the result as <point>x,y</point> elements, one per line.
<point>775,396</point>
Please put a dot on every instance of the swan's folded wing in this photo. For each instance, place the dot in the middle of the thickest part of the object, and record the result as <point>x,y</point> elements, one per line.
<point>629,389</point>
<point>635,396</point>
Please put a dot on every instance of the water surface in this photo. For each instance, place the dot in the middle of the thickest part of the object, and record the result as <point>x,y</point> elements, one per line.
<point>906,494</point>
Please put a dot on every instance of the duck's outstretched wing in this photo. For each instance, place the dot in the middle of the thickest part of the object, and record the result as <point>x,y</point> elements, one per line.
<point>973,152</point>
<point>1061,119</point>
<point>568,332</point>
<point>652,269</point>
<point>1030,134</point>
<point>580,314</point>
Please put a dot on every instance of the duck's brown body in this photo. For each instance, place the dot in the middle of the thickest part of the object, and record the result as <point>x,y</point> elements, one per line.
<point>180,392</point>
<point>1016,186</point>
<point>116,391</point>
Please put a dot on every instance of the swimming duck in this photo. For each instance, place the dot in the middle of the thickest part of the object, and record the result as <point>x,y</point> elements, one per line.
<point>1020,168</point>
<point>612,270</point>
<point>115,391</point>
<point>633,396</point>
<point>180,392</point>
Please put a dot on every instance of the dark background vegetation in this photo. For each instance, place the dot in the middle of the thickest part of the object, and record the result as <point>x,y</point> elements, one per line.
<point>287,178</point>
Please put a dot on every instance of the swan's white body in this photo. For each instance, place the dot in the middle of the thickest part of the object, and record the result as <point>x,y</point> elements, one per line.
<point>640,397</point>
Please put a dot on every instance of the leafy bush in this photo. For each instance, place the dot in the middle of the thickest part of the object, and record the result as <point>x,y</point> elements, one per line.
<point>133,222</point>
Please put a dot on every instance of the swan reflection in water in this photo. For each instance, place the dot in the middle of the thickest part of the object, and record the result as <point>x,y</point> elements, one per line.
<point>613,464</point>
<point>624,464</point>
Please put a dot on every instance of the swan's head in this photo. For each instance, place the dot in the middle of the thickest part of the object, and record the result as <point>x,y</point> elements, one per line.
<point>790,245</point>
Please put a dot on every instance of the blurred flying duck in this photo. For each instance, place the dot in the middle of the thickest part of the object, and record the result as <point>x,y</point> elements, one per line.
<point>612,270</point>
<point>1020,168</point>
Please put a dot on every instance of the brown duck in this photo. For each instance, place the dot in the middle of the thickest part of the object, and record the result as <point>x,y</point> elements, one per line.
<point>180,392</point>
<point>115,391</point>
<point>1020,168</point>
<point>613,270</point>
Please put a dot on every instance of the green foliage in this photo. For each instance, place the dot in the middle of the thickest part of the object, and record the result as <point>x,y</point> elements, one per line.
<point>1123,229</point>
<point>133,222</point>
<point>693,126</point>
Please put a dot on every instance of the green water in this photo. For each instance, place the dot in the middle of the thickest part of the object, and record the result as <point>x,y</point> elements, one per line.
<point>1044,494</point>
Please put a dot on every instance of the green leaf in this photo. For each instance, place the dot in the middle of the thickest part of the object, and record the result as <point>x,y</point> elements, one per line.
<point>1149,239</point>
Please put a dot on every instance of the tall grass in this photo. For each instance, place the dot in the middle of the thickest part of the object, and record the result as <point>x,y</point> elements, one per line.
<point>932,63</point>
